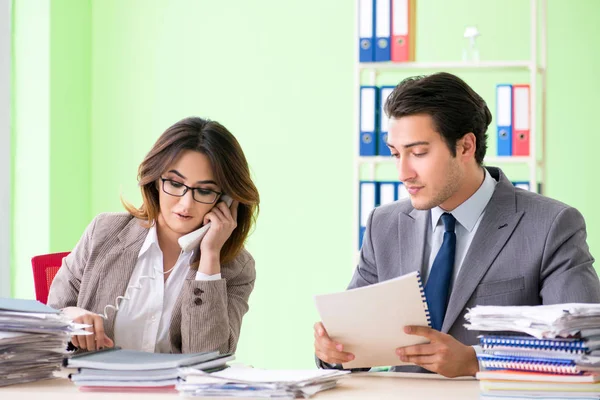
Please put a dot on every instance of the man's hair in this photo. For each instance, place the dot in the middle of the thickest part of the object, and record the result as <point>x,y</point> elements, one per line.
<point>455,108</point>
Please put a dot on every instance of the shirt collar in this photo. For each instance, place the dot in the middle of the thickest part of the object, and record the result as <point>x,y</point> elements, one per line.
<point>471,209</point>
<point>151,240</point>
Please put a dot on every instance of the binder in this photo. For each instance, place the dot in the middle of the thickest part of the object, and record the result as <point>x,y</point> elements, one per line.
<point>402,193</point>
<point>504,119</point>
<point>368,118</point>
<point>403,30</point>
<point>366,21</point>
<point>387,192</point>
<point>382,148</point>
<point>383,21</point>
<point>521,120</point>
<point>367,202</point>
<point>522,185</point>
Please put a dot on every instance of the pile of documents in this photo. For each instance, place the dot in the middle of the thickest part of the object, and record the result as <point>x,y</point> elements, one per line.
<point>252,382</point>
<point>538,352</point>
<point>33,340</point>
<point>120,370</point>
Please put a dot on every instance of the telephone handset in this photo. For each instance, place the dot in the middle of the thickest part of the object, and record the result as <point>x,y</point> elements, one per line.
<point>192,240</point>
<point>187,242</point>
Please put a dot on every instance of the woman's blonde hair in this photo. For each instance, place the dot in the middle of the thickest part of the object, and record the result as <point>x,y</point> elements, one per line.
<point>229,166</point>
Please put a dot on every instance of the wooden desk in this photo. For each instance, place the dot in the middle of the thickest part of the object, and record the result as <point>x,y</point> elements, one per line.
<point>354,387</point>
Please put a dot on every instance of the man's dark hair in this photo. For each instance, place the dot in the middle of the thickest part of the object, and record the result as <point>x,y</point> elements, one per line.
<point>453,105</point>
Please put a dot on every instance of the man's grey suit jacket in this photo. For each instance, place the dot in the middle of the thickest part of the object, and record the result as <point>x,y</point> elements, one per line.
<point>528,250</point>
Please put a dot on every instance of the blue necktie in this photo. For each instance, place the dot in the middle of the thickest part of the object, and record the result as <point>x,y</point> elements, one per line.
<point>438,283</point>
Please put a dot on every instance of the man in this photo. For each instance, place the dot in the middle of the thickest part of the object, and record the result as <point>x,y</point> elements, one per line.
<point>475,238</point>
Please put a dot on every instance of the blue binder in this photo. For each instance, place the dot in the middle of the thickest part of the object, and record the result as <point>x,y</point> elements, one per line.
<point>387,192</point>
<point>383,22</point>
<point>366,24</point>
<point>382,148</point>
<point>522,185</point>
<point>368,200</point>
<point>368,120</point>
<point>504,108</point>
<point>401,191</point>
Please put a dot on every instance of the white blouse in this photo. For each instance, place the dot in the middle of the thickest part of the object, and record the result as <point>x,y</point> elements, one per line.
<point>144,318</point>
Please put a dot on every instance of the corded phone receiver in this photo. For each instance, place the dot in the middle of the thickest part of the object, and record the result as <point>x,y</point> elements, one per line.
<point>192,240</point>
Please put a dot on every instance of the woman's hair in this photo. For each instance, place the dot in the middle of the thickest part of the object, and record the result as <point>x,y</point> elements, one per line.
<point>229,166</point>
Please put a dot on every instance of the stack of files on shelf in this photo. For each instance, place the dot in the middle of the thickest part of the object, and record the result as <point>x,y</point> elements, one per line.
<point>129,370</point>
<point>386,30</point>
<point>374,194</point>
<point>33,340</point>
<point>251,382</point>
<point>373,121</point>
<point>513,113</point>
<point>560,357</point>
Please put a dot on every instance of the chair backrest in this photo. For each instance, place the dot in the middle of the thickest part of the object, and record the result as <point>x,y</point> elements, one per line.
<point>45,268</point>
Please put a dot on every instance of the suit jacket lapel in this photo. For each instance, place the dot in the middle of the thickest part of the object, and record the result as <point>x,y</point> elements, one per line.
<point>412,230</point>
<point>499,221</point>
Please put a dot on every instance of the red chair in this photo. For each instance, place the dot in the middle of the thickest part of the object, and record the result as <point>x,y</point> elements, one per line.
<point>45,268</point>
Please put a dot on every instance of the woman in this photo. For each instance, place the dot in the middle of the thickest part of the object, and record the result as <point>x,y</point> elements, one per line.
<point>174,301</point>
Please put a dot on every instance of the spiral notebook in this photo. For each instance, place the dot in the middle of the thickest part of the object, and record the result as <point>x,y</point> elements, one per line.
<point>533,364</point>
<point>369,321</point>
<point>575,346</point>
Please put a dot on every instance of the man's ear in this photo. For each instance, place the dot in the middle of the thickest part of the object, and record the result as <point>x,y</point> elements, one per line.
<point>466,146</point>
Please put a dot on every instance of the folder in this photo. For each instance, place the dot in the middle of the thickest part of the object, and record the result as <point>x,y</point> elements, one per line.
<point>387,192</point>
<point>368,118</point>
<point>521,120</point>
<point>367,202</point>
<point>504,119</point>
<point>383,21</point>
<point>403,30</point>
<point>402,192</point>
<point>366,20</point>
<point>382,148</point>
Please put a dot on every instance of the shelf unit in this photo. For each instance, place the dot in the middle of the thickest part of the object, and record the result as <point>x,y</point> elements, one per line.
<point>536,66</point>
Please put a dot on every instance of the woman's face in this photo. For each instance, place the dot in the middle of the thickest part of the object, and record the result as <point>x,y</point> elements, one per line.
<point>184,214</point>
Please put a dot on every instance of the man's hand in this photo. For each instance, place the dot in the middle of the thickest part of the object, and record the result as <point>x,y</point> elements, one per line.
<point>327,350</point>
<point>443,355</point>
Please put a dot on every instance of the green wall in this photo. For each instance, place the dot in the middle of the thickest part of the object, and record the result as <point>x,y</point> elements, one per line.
<point>280,76</point>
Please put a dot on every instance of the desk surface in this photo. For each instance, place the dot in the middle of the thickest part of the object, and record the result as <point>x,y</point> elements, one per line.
<point>354,387</point>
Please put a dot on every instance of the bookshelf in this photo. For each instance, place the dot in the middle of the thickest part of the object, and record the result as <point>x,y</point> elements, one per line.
<point>535,66</point>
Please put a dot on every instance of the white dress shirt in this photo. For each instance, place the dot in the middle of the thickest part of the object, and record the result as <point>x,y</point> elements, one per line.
<point>143,320</point>
<point>468,217</point>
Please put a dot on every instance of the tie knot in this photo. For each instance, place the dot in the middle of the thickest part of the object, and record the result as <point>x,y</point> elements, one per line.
<point>449,222</point>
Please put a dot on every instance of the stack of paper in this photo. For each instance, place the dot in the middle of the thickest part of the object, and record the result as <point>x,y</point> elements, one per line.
<point>33,340</point>
<point>558,360</point>
<point>251,382</point>
<point>125,370</point>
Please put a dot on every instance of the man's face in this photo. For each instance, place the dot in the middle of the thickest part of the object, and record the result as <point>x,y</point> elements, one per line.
<point>431,174</point>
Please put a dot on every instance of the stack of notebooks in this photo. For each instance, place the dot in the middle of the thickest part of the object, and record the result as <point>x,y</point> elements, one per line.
<point>251,382</point>
<point>117,370</point>
<point>539,351</point>
<point>33,340</point>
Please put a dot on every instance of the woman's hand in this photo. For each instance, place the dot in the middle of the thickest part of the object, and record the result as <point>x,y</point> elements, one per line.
<point>223,221</point>
<point>97,340</point>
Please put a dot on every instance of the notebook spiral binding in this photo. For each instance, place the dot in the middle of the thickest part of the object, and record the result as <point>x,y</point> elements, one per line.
<point>555,366</point>
<point>518,342</point>
<point>424,299</point>
<point>126,295</point>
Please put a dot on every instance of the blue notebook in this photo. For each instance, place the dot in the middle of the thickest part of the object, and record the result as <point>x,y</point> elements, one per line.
<point>26,306</point>
<point>530,343</point>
